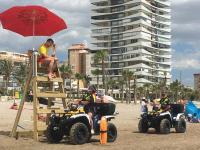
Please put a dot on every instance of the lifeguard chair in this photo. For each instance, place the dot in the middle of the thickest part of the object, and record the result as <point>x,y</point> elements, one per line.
<point>43,89</point>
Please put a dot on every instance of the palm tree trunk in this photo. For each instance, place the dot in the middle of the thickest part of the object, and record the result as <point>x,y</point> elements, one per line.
<point>126,91</point>
<point>103,73</point>
<point>103,77</point>
<point>112,91</point>
<point>129,87</point>
<point>78,89</point>
<point>145,93</point>
<point>135,91</point>
<point>70,90</point>
<point>122,93</point>
<point>7,82</point>
<point>97,82</point>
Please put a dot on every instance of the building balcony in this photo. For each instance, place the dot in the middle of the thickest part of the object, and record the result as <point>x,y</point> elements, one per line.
<point>165,3</point>
<point>126,2</point>
<point>148,24</point>
<point>126,40</point>
<point>160,9</point>
<point>140,14</point>
<point>141,65</point>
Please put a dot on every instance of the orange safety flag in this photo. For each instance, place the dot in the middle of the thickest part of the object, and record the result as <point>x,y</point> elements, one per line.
<point>103,130</point>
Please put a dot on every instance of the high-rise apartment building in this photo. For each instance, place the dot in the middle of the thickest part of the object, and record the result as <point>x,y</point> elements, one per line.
<point>136,34</point>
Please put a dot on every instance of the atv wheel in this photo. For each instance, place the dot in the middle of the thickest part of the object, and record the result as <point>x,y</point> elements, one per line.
<point>165,126</point>
<point>112,132</point>
<point>54,134</point>
<point>79,134</point>
<point>180,126</point>
<point>157,128</point>
<point>143,126</point>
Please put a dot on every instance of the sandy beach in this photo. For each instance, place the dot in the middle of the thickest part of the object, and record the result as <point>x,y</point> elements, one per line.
<point>128,136</point>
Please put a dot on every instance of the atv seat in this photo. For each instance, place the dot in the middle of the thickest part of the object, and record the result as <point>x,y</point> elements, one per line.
<point>104,109</point>
<point>175,109</point>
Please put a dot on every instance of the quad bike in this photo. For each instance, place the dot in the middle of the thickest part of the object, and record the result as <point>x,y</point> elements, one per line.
<point>164,121</point>
<point>75,124</point>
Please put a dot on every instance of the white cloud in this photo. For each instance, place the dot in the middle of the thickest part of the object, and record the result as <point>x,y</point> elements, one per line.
<point>68,5</point>
<point>187,59</point>
<point>187,63</point>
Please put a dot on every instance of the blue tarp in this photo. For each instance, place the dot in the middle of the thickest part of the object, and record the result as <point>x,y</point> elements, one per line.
<point>191,108</point>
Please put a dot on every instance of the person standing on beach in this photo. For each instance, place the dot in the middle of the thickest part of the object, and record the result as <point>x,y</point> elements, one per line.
<point>44,57</point>
<point>144,107</point>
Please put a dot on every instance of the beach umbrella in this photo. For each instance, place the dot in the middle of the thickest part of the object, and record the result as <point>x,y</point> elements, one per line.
<point>31,21</point>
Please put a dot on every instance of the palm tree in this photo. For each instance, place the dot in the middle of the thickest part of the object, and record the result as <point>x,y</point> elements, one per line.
<point>121,85</point>
<point>20,74</point>
<point>78,77</point>
<point>175,89</point>
<point>147,88</point>
<point>141,91</point>
<point>155,89</point>
<point>87,79</point>
<point>124,77</point>
<point>66,72</point>
<point>100,58</point>
<point>187,92</point>
<point>111,83</point>
<point>97,72</point>
<point>130,76</point>
<point>6,67</point>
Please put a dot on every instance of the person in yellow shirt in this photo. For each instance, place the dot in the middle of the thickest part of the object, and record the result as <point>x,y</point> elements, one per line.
<point>44,57</point>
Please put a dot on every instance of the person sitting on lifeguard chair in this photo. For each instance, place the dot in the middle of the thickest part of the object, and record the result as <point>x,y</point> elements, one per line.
<point>45,59</point>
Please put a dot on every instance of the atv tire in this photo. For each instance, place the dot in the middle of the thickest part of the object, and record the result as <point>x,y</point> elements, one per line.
<point>79,134</point>
<point>112,132</point>
<point>180,126</point>
<point>54,134</point>
<point>143,126</point>
<point>157,128</point>
<point>165,126</point>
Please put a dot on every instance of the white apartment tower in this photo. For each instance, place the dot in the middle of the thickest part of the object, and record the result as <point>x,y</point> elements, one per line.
<point>136,34</point>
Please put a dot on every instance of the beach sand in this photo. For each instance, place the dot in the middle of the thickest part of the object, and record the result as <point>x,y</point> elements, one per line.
<point>128,136</point>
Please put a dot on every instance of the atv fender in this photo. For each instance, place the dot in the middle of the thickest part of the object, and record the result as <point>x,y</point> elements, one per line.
<point>83,118</point>
<point>109,117</point>
<point>81,115</point>
<point>179,116</point>
<point>166,115</point>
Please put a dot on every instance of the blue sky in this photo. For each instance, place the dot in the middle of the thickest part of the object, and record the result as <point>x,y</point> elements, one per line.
<point>185,32</point>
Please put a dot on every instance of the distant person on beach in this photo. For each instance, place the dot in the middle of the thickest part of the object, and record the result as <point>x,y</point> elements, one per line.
<point>144,107</point>
<point>44,57</point>
<point>194,119</point>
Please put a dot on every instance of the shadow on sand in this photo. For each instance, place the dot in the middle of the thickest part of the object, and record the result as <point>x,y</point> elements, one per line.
<point>152,132</point>
<point>67,141</point>
<point>6,133</point>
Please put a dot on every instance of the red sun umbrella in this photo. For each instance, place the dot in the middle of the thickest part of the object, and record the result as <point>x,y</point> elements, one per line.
<point>31,21</point>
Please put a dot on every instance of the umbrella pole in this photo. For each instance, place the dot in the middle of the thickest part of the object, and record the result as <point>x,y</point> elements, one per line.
<point>35,100</point>
<point>34,52</point>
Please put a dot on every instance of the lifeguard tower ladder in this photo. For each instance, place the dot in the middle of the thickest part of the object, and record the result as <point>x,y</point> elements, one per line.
<point>39,80</point>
